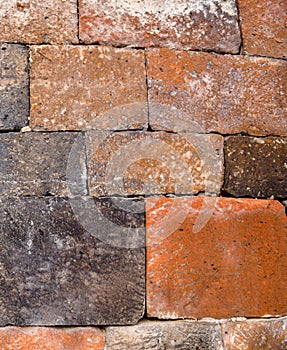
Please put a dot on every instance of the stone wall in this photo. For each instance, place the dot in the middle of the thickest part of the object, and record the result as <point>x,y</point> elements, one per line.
<point>143,174</point>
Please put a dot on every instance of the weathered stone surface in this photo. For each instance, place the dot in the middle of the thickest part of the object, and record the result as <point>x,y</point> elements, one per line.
<point>128,163</point>
<point>14,97</point>
<point>226,94</point>
<point>34,338</point>
<point>234,266</point>
<point>198,24</point>
<point>180,335</point>
<point>36,22</point>
<point>36,164</point>
<point>263,25</point>
<point>256,167</point>
<point>53,272</point>
<point>256,334</point>
<point>87,87</point>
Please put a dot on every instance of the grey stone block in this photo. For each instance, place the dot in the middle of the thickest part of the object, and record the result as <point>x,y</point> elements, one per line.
<point>180,335</point>
<point>14,87</point>
<point>37,164</point>
<point>53,272</point>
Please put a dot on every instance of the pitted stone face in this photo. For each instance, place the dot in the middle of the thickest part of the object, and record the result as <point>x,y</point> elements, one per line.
<point>197,24</point>
<point>33,21</point>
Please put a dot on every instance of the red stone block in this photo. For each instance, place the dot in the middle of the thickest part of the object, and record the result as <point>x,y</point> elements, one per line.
<point>264,27</point>
<point>221,93</point>
<point>34,338</point>
<point>87,87</point>
<point>235,264</point>
<point>197,24</point>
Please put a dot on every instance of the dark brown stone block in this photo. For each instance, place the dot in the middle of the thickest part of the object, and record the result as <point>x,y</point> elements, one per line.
<point>14,96</point>
<point>53,272</point>
<point>36,164</point>
<point>180,335</point>
<point>256,167</point>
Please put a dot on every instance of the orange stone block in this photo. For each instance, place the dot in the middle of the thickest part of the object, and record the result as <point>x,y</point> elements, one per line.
<point>87,87</point>
<point>219,93</point>
<point>234,264</point>
<point>255,334</point>
<point>34,338</point>
<point>264,27</point>
<point>37,22</point>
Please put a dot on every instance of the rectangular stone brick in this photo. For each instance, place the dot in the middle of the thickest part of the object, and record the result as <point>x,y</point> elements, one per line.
<point>54,272</point>
<point>37,164</point>
<point>256,334</point>
<point>14,98</point>
<point>197,24</point>
<point>225,260</point>
<point>208,92</point>
<point>37,22</point>
<point>136,163</point>
<point>256,167</point>
<point>263,25</point>
<point>87,87</point>
<point>180,335</point>
<point>35,338</point>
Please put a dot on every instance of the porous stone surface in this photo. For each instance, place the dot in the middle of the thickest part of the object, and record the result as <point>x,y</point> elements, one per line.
<point>36,338</point>
<point>263,25</point>
<point>134,163</point>
<point>234,265</point>
<point>87,87</point>
<point>14,96</point>
<point>221,93</point>
<point>255,334</point>
<point>53,272</point>
<point>37,22</point>
<point>36,164</point>
<point>256,167</point>
<point>156,335</point>
<point>180,24</point>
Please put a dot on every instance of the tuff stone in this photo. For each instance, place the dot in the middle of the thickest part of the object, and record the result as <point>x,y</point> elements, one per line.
<point>87,87</point>
<point>169,335</point>
<point>217,93</point>
<point>14,100</point>
<point>36,338</point>
<point>223,261</point>
<point>255,334</point>
<point>53,272</point>
<point>37,22</point>
<point>256,167</point>
<point>137,163</point>
<point>263,25</point>
<point>36,164</point>
<point>198,24</point>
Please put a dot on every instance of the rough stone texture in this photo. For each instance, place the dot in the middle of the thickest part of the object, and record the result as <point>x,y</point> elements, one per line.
<point>234,266</point>
<point>152,163</point>
<point>14,90</point>
<point>87,87</point>
<point>180,335</point>
<point>226,94</point>
<point>53,272</point>
<point>263,25</point>
<point>256,167</point>
<point>36,22</point>
<point>197,24</point>
<point>256,334</point>
<point>36,164</point>
<point>33,338</point>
